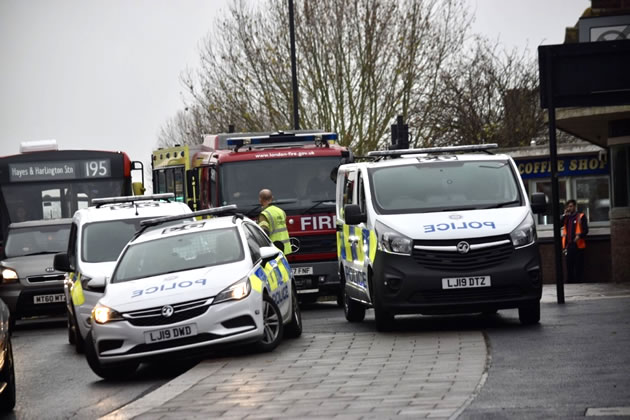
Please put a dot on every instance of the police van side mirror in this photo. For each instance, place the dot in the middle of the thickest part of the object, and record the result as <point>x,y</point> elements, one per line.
<point>97,284</point>
<point>268,253</point>
<point>539,202</point>
<point>352,214</point>
<point>61,262</point>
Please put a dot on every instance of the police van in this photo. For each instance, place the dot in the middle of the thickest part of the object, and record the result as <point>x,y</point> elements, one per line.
<point>439,230</point>
<point>97,236</point>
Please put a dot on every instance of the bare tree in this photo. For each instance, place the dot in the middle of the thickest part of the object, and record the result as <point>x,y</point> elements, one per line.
<point>360,63</point>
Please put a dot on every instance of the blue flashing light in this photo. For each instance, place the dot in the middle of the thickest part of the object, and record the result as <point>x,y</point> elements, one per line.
<point>279,138</point>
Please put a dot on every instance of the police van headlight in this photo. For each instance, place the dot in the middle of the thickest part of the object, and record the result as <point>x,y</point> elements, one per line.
<point>237,291</point>
<point>9,275</point>
<point>391,241</point>
<point>102,314</point>
<point>525,233</point>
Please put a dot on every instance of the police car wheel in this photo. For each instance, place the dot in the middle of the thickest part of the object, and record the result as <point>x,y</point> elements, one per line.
<point>529,313</point>
<point>7,398</point>
<point>294,328</point>
<point>272,325</point>
<point>353,310</point>
<point>109,371</point>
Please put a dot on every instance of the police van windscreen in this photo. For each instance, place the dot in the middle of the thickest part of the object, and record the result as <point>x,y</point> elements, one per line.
<point>48,239</point>
<point>299,183</point>
<point>176,253</point>
<point>444,186</point>
<point>103,241</point>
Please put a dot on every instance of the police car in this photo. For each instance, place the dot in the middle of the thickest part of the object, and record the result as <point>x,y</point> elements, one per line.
<point>435,231</point>
<point>189,286</point>
<point>97,235</point>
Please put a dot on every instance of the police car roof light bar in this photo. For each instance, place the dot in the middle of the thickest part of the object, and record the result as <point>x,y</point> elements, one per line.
<point>282,138</point>
<point>216,211</point>
<point>444,149</point>
<point>98,202</point>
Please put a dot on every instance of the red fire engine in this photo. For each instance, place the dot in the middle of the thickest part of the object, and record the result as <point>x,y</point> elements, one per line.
<point>299,168</point>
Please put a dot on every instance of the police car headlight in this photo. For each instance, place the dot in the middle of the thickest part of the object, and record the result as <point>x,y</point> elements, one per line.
<point>525,233</point>
<point>9,275</point>
<point>391,241</point>
<point>237,291</point>
<point>102,314</point>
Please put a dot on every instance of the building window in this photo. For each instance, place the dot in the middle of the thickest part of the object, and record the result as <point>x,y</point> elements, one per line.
<point>593,199</point>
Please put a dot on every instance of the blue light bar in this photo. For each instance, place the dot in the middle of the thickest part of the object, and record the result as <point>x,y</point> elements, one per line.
<point>281,138</point>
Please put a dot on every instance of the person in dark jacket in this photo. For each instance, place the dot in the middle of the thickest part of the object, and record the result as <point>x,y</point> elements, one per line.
<point>574,231</point>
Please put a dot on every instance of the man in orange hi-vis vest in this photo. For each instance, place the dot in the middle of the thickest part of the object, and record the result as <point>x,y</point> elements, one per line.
<point>574,231</point>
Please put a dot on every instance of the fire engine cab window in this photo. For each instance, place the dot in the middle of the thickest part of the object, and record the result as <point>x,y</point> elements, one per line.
<point>444,186</point>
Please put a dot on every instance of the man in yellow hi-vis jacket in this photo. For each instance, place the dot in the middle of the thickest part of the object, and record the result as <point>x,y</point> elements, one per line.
<point>273,220</point>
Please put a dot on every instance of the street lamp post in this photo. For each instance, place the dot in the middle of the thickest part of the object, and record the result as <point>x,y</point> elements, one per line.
<point>296,118</point>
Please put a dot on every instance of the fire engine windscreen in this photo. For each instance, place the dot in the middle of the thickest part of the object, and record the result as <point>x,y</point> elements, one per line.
<point>444,186</point>
<point>297,182</point>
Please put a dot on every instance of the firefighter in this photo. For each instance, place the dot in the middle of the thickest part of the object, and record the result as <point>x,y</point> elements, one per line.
<point>273,220</point>
<point>574,230</point>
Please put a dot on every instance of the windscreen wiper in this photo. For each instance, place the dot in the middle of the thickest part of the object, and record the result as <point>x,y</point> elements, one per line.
<point>506,203</point>
<point>318,203</point>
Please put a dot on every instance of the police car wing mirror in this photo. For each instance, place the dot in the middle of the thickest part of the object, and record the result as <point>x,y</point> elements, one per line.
<point>539,202</point>
<point>61,262</point>
<point>97,284</point>
<point>353,214</point>
<point>268,253</point>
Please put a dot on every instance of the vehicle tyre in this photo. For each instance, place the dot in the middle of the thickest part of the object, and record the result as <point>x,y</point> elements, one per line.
<point>340,298</point>
<point>529,313</point>
<point>272,325</point>
<point>294,327</point>
<point>118,370</point>
<point>79,342</point>
<point>71,330</point>
<point>7,398</point>
<point>353,310</point>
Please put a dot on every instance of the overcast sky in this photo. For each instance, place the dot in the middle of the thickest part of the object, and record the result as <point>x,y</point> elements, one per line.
<point>104,74</point>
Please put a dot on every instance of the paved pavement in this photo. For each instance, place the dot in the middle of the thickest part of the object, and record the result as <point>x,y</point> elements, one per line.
<point>345,375</point>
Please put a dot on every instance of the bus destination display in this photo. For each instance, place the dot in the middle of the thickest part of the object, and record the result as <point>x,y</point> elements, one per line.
<point>46,171</point>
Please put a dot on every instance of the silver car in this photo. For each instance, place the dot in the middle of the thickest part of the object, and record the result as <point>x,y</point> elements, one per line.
<point>30,284</point>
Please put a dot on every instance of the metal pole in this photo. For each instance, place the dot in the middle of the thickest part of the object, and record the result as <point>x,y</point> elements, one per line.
<point>296,118</point>
<point>555,196</point>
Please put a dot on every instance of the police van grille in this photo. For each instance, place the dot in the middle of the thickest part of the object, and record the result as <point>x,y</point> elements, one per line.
<point>317,244</point>
<point>473,260</point>
<point>181,312</point>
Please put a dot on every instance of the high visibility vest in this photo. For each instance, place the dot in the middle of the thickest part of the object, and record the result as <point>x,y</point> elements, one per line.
<point>278,231</point>
<point>581,243</point>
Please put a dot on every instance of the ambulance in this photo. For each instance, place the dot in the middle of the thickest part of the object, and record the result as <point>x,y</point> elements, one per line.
<point>440,230</point>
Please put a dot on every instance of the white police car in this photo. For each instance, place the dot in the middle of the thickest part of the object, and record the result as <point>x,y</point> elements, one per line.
<point>179,288</point>
<point>97,236</point>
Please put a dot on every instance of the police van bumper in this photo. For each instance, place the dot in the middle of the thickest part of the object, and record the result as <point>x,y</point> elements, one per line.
<point>222,325</point>
<point>404,285</point>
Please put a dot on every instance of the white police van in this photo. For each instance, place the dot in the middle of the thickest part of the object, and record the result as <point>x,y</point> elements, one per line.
<point>178,289</point>
<point>97,235</point>
<point>437,231</point>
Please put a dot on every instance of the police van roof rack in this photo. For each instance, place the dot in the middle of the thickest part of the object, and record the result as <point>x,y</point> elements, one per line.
<point>282,139</point>
<point>98,202</point>
<point>380,154</point>
<point>216,211</point>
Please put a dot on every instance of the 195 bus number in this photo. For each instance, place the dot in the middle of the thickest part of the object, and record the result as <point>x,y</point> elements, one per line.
<point>96,168</point>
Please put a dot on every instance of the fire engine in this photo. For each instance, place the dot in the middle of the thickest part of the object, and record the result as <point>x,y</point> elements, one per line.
<point>298,167</point>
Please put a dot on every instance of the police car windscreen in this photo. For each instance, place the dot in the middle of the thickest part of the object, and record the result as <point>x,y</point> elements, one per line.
<point>300,180</point>
<point>174,253</point>
<point>444,186</point>
<point>37,240</point>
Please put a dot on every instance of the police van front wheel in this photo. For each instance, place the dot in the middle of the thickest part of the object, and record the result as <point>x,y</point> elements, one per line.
<point>353,310</point>
<point>272,325</point>
<point>114,371</point>
<point>529,313</point>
